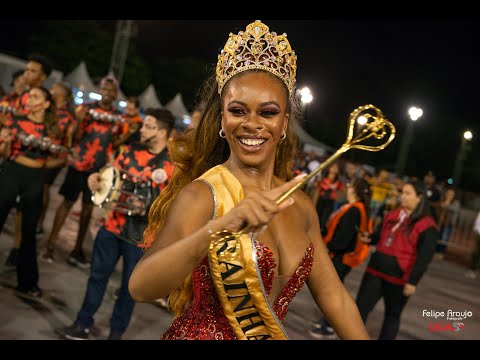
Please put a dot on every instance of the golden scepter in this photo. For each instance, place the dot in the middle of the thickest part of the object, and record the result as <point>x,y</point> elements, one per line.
<point>376,127</point>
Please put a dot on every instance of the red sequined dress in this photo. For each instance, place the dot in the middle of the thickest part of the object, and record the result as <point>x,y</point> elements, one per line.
<point>204,318</point>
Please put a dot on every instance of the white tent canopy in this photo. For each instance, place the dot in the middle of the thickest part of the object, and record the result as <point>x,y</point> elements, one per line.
<point>311,143</point>
<point>80,79</point>
<point>9,64</point>
<point>177,107</point>
<point>149,98</point>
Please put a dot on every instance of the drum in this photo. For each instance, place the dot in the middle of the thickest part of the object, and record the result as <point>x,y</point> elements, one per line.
<point>110,186</point>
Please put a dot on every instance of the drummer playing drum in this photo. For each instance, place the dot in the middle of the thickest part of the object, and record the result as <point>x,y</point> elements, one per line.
<point>145,169</point>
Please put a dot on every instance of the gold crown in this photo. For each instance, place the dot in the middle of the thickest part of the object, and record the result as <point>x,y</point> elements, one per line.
<point>257,48</point>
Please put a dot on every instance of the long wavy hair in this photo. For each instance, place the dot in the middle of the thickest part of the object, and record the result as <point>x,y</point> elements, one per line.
<point>196,151</point>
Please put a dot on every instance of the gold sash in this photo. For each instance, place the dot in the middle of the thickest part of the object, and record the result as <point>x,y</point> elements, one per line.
<point>234,269</point>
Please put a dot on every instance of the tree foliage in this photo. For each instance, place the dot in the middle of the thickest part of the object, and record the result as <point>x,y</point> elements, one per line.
<point>179,75</point>
<point>68,42</point>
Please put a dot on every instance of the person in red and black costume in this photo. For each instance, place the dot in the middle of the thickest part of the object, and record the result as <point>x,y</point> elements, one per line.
<point>149,166</point>
<point>63,97</point>
<point>18,87</point>
<point>93,148</point>
<point>345,247</point>
<point>38,69</point>
<point>23,175</point>
<point>12,100</point>
<point>325,194</point>
<point>405,245</point>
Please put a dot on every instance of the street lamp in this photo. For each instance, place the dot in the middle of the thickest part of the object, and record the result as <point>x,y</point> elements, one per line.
<point>306,98</point>
<point>306,95</point>
<point>461,154</point>
<point>468,135</point>
<point>414,113</point>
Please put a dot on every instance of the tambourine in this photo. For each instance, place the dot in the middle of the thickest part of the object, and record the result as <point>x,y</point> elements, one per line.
<point>110,186</point>
<point>112,182</point>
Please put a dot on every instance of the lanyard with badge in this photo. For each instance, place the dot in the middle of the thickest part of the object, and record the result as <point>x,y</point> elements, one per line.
<point>403,215</point>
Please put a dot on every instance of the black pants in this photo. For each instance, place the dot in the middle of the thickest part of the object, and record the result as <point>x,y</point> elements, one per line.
<point>324,210</point>
<point>371,290</point>
<point>16,179</point>
<point>342,269</point>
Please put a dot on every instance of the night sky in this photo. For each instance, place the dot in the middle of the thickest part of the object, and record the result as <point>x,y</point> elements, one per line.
<point>392,64</point>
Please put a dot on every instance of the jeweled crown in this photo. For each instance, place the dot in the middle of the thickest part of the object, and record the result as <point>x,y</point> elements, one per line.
<point>257,48</point>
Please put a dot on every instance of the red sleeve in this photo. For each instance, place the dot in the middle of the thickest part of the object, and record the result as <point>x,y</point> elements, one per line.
<point>324,184</point>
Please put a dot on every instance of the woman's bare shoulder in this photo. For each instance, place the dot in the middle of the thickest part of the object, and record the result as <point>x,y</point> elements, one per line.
<point>303,201</point>
<point>191,209</point>
<point>197,193</point>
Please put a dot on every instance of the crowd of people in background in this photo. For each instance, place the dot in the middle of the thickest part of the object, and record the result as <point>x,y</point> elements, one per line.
<point>426,210</point>
<point>328,191</point>
<point>43,132</point>
<point>357,207</point>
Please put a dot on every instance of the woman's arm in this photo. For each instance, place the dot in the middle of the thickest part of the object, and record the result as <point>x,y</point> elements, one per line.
<point>179,247</point>
<point>184,240</point>
<point>5,143</point>
<point>328,291</point>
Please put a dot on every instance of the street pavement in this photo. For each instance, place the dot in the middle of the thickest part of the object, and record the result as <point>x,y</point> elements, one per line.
<point>444,287</point>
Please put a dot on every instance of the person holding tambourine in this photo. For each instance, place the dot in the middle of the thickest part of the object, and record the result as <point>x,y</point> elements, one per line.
<point>145,169</point>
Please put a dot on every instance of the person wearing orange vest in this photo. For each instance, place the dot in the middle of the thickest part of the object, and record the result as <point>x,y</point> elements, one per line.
<point>405,245</point>
<point>343,242</point>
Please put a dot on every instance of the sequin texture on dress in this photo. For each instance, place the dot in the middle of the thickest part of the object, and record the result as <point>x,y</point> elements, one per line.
<point>204,319</point>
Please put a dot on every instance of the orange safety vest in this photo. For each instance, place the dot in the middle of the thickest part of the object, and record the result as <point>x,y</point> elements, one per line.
<point>361,250</point>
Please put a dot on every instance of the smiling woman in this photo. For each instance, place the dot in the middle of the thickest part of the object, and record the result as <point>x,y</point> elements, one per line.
<point>229,172</point>
<point>254,118</point>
